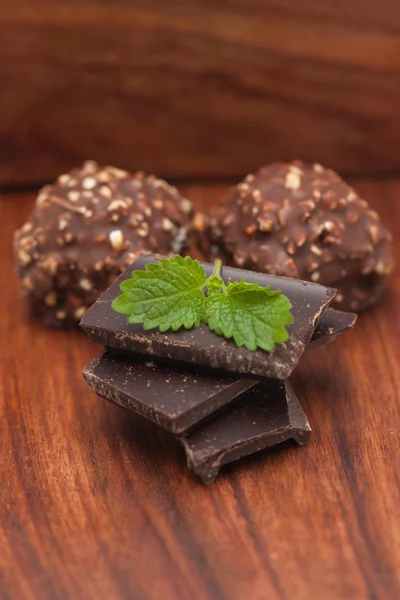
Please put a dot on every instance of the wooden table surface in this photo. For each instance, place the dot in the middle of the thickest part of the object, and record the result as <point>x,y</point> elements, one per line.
<point>96,503</point>
<point>197,88</point>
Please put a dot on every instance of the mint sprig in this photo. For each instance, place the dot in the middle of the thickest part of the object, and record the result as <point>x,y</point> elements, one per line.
<point>176,292</point>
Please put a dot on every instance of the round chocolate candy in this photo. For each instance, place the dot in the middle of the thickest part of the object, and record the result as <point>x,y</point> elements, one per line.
<point>302,221</point>
<point>86,228</point>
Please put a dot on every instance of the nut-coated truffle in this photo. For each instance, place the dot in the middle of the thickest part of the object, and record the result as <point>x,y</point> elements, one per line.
<point>86,228</point>
<point>302,221</point>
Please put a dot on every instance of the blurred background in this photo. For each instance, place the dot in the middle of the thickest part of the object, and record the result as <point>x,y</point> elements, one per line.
<point>198,90</point>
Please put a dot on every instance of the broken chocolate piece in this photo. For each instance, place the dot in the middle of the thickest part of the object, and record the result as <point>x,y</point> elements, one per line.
<point>175,399</point>
<point>332,324</point>
<point>268,415</point>
<point>201,346</point>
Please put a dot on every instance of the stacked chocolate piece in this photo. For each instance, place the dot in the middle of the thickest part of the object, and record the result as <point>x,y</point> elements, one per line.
<point>223,402</point>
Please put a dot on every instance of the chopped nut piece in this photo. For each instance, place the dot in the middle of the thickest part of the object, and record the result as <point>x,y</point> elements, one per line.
<point>49,263</point>
<point>251,229</point>
<point>315,276</point>
<point>166,225</point>
<point>41,199</point>
<point>26,228</point>
<point>62,224</point>
<point>79,312</point>
<point>375,234</point>
<point>199,222</point>
<point>73,195</point>
<point>228,220</point>
<point>50,299</point>
<point>85,284</point>
<point>383,268</point>
<point>186,206</point>
<point>301,241</point>
<point>293,180</point>
<point>117,239</point>
<point>105,191</point>
<point>282,214</point>
<point>265,224</point>
<point>116,204</point>
<point>143,230</point>
<point>118,173</point>
<point>24,257</point>
<point>89,166</point>
<point>27,282</point>
<point>315,250</point>
<point>329,226</point>
<point>89,183</point>
<point>157,203</point>
<point>240,260</point>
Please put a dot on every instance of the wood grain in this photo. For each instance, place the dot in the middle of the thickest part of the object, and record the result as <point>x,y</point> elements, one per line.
<point>197,89</point>
<point>97,503</point>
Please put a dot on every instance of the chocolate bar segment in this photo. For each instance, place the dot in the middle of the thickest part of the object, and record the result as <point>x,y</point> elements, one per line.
<point>175,399</point>
<point>268,415</point>
<point>201,346</point>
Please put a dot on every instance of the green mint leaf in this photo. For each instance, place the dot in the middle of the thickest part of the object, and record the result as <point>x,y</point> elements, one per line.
<point>214,285</point>
<point>123,304</point>
<point>171,294</point>
<point>254,316</point>
<point>166,295</point>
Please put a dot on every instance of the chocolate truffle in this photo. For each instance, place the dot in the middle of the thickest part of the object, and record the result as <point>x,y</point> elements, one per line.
<point>302,221</point>
<point>84,231</point>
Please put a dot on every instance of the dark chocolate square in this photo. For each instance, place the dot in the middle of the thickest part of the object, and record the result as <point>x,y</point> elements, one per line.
<point>202,347</point>
<point>174,398</point>
<point>267,415</point>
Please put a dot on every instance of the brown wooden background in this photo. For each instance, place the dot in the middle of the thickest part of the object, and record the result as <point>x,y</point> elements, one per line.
<point>198,88</point>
